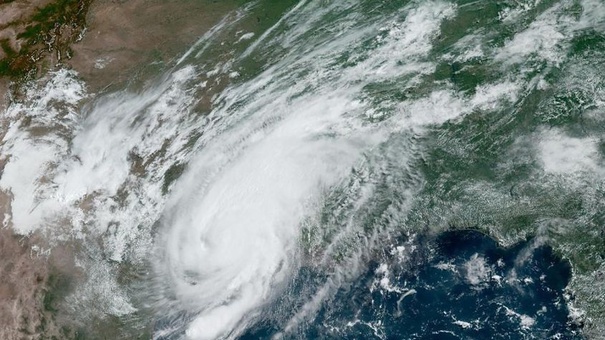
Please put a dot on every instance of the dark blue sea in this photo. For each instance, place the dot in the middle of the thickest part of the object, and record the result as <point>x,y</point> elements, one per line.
<point>462,286</point>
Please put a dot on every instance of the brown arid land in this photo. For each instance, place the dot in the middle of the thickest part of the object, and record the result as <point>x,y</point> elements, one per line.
<point>124,37</point>
<point>32,280</point>
<point>23,278</point>
<point>110,43</point>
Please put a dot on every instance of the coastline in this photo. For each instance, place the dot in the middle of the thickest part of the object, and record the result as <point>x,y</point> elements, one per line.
<point>126,45</point>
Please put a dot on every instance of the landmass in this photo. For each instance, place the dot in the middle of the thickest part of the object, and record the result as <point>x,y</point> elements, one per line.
<point>110,44</point>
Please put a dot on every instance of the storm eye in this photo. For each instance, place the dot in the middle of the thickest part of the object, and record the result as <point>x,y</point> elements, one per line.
<point>192,277</point>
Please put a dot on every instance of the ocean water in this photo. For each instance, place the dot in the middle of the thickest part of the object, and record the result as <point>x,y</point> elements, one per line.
<point>461,285</point>
<point>334,169</point>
